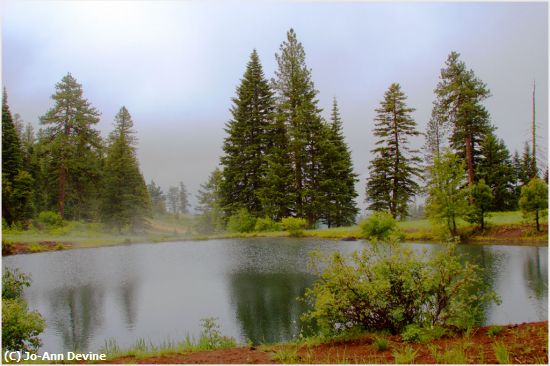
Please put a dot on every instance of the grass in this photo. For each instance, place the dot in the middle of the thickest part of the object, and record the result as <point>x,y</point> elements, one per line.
<point>494,330</point>
<point>286,355</point>
<point>501,353</point>
<point>381,344</point>
<point>406,355</point>
<point>170,228</point>
<point>210,339</point>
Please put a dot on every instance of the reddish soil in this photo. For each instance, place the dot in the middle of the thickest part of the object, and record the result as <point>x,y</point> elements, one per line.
<point>23,248</point>
<point>512,233</point>
<point>525,344</point>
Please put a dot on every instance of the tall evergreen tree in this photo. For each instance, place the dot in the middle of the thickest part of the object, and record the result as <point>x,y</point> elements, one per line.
<point>437,135</point>
<point>183,199</point>
<point>157,197</point>
<point>459,97</point>
<point>11,145</point>
<point>392,172</point>
<point>16,182</point>
<point>245,146</point>
<point>495,167</point>
<point>126,203</point>
<point>210,218</point>
<point>276,195</point>
<point>74,146</point>
<point>338,180</point>
<point>297,106</point>
<point>172,200</point>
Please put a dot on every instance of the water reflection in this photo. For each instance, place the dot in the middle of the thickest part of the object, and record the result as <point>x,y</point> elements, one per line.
<point>265,304</point>
<point>78,313</point>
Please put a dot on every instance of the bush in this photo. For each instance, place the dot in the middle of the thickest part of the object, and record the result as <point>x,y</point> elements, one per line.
<point>266,224</point>
<point>20,328</point>
<point>50,219</point>
<point>13,283</point>
<point>294,225</point>
<point>391,287</point>
<point>379,226</point>
<point>241,222</point>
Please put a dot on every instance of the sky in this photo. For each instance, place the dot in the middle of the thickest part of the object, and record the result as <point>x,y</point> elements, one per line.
<point>175,65</point>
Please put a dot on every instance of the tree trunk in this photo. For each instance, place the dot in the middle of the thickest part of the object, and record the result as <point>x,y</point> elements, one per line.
<point>469,160</point>
<point>62,184</point>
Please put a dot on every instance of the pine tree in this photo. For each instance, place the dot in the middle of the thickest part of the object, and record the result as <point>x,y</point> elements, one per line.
<point>157,197</point>
<point>391,183</point>
<point>183,199</point>
<point>459,100</point>
<point>276,195</point>
<point>297,107</point>
<point>495,167</point>
<point>126,203</point>
<point>244,163</point>
<point>16,183</point>
<point>210,218</point>
<point>338,180</point>
<point>172,200</point>
<point>11,145</point>
<point>74,146</point>
<point>437,135</point>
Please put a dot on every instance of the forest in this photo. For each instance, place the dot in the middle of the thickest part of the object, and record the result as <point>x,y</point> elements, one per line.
<point>281,159</point>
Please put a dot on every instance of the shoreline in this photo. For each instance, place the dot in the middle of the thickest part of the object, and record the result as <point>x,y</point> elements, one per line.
<point>516,343</point>
<point>12,246</point>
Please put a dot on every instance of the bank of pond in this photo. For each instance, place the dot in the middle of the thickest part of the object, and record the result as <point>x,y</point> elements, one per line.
<point>161,291</point>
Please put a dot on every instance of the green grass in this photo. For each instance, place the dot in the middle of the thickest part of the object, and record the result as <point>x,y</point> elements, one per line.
<point>170,228</point>
<point>501,353</point>
<point>405,355</point>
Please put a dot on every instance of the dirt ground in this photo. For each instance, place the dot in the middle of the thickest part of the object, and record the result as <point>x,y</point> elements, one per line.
<point>525,343</point>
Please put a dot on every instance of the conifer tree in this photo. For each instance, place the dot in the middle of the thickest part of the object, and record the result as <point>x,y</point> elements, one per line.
<point>276,195</point>
<point>459,97</point>
<point>297,107</point>
<point>392,172</point>
<point>16,182</point>
<point>74,147</point>
<point>210,218</point>
<point>495,167</point>
<point>338,180</point>
<point>183,199</point>
<point>157,197</point>
<point>126,203</point>
<point>11,145</point>
<point>245,146</point>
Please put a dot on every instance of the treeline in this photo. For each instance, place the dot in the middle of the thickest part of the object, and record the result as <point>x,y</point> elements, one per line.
<point>67,170</point>
<point>281,158</point>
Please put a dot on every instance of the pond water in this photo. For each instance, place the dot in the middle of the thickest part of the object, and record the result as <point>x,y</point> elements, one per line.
<point>161,291</point>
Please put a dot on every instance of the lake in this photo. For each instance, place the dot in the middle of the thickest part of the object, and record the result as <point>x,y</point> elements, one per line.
<point>161,291</point>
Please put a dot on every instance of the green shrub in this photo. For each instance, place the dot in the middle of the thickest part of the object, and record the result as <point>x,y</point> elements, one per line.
<point>20,328</point>
<point>241,222</point>
<point>13,283</point>
<point>378,226</point>
<point>294,225</point>
<point>50,219</point>
<point>417,333</point>
<point>390,287</point>
<point>266,224</point>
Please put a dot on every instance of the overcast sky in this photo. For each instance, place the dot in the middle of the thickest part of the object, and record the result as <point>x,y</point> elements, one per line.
<point>175,65</point>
